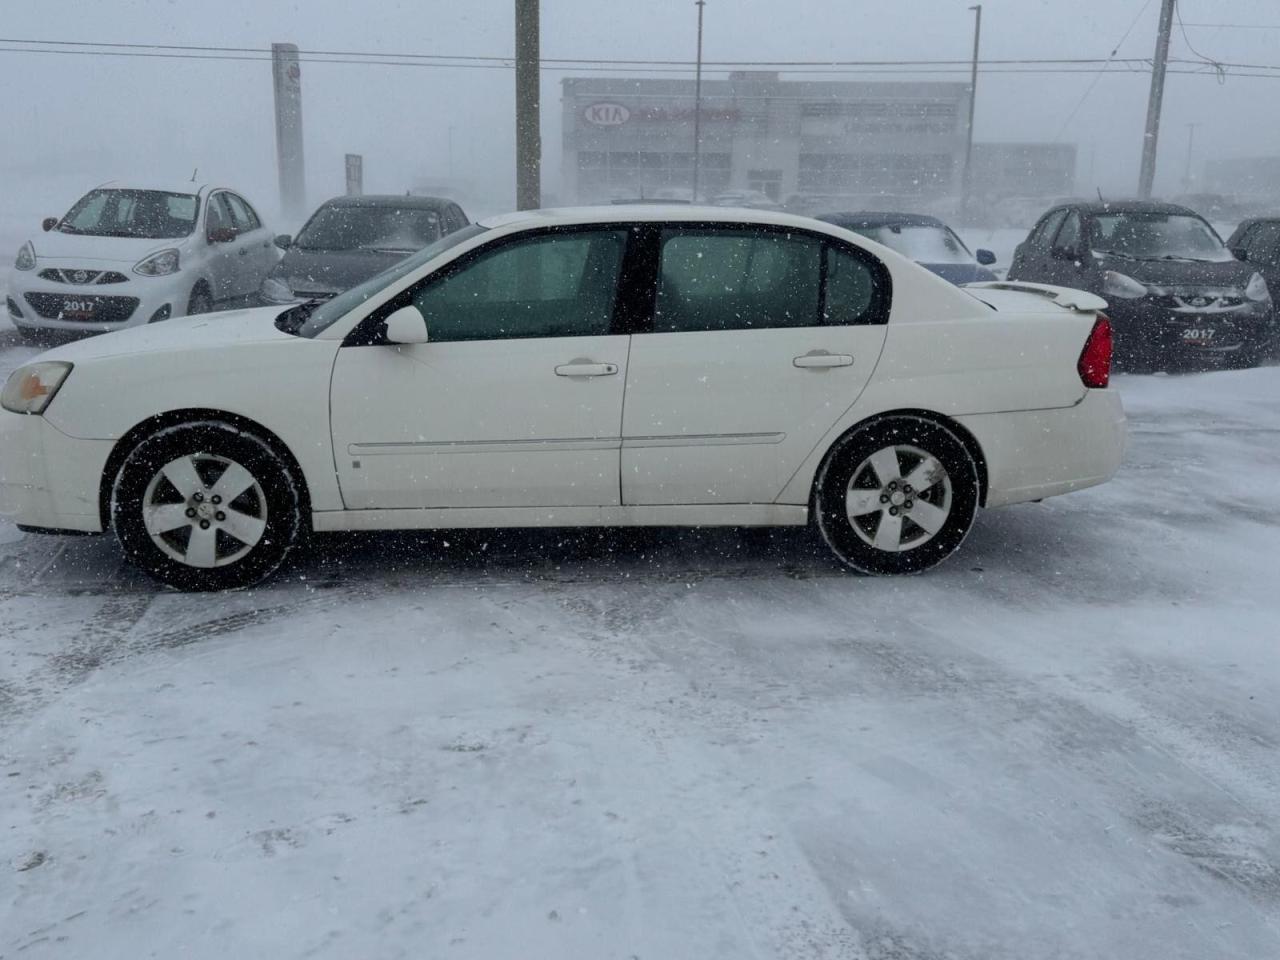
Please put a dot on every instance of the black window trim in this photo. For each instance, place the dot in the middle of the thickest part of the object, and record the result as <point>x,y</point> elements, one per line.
<point>371,331</point>
<point>257,220</point>
<point>877,314</point>
<point>1040,232</point>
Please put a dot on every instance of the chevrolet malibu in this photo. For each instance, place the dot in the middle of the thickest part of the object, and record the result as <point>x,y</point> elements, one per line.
<point>673,366</point>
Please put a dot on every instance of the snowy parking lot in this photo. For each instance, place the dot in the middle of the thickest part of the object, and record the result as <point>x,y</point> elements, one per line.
<point>1063,743</point>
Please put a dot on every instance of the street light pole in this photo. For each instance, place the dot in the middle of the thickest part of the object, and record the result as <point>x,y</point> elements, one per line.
<point>697,104</point>
<point>1191,140</point>
<point>967,183</point>
<point>1155,99</point>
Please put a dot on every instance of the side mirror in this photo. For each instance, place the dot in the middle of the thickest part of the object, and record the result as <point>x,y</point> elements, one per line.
<point>406,325</point>
<point>222,235</point>
<point>1240,253</point>
<point>284,241</point>
<point>48,223</point>
<point>986,257</point>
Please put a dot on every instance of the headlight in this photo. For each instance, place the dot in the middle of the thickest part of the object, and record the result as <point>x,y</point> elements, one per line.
<point>1118,285</point>
<point>158,264</point>
<point>26,257</point>
<point>30,388</point>
<point>1256,289</point>
<point>276,290</point>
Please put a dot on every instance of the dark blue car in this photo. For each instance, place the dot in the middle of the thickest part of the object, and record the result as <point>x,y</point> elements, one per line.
<point>926,240</point>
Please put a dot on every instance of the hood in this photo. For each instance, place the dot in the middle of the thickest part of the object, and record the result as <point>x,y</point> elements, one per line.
<point>959,273</point>
<point>185,333</point>
<point>81,248</point>
<point>323,271</point>
<point>1181,273</point>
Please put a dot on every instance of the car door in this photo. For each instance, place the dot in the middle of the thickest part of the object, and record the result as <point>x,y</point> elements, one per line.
<point>255,253</point>
<point>1069,260</point>
<point>1031,258</point>
<point>516,401</point>
<point>759,339</point>
<point>222,252</point>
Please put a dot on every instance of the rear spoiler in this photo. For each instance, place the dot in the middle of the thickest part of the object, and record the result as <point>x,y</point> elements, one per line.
<point>1077,300</point>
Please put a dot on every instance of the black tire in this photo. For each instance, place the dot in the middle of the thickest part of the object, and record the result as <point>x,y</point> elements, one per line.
<point>200,301</point>
<point>269,506</point>
<point>847,482</point>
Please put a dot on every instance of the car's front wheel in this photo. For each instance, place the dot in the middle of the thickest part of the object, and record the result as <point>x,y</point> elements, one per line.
<point>206,506</point>
<point>897,496</point>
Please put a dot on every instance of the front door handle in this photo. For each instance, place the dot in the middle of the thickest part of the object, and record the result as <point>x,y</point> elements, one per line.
<point>243,251</point>
<point>585,368</point>
<point>822,360</point>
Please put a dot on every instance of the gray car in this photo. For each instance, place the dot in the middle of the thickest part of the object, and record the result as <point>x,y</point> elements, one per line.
<point>350,239</point>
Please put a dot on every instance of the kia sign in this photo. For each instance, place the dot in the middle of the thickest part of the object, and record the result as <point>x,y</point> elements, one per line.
<point>607,114</point>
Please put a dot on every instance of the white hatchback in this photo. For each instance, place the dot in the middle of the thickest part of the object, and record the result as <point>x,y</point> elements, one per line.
<point>130,255</point>
<point>613,366</point>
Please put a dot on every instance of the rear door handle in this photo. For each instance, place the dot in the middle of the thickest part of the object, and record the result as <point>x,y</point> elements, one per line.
<point>581,368</point>
<point>824,360</point>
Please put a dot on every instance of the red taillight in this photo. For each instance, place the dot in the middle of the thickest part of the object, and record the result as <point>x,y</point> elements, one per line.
<point>1095,358</point>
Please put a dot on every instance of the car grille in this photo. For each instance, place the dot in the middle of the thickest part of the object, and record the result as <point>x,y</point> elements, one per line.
<point>82,277</point>
<point>1197,301</point>
<point>82,309</point>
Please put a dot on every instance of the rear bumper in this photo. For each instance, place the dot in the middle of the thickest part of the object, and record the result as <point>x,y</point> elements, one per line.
<point>48,479</point>
<point>1035,454</point>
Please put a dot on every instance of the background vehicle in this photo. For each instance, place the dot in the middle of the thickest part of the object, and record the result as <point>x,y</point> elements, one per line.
<point>1175,293</point>
<point>349,239</point>
<point>1257,243</point>
<point>129,255</point>
<point>926,240</point>
<point>480,382</point>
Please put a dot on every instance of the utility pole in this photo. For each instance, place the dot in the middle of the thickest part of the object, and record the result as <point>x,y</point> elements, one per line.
<point>1191,140</point>
<point>967,183</point>
<point>528,121</point>
<point>697,104</point>
<point>1151,137</point>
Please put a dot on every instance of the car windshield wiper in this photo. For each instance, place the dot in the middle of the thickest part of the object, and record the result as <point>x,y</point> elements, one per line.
<point>1116,253</point>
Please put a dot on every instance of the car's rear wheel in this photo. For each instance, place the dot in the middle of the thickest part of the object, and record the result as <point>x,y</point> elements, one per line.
<point>898,496</point>
<point>206,506</point>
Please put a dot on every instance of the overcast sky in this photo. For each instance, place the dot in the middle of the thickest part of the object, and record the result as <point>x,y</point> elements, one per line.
<point>74,120</point>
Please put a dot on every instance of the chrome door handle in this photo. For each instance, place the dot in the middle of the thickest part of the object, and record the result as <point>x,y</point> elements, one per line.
<point>822,360</point>
<point>581,368</point>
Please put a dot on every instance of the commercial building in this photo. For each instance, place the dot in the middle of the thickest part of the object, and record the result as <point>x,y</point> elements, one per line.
<point>1255,180</point>
<point>1038,170</point>
<point>881,144</point>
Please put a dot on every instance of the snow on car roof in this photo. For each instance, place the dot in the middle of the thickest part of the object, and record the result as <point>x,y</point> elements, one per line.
<point>651,211</point>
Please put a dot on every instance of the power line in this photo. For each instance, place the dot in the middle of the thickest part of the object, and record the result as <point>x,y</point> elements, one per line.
<point>818,67</point>
<point>1114,50</point>
<point>1237,26</point>
<point>1222,73</point>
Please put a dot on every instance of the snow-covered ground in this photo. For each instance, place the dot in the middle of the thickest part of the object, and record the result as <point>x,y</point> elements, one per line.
<point>1061,744</point>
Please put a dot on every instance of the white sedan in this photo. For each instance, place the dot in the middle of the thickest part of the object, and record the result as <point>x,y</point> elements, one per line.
<point>126,255</point>
<point>674,366</point>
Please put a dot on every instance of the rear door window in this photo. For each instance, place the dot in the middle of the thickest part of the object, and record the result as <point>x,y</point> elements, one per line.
<point>1047,228</point>
<point>731,279</point>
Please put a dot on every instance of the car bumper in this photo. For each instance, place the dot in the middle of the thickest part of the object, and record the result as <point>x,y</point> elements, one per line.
<point>39,300</point>
<point>1151,334</point>
<point>1035,454</point>
<point>48,479</point>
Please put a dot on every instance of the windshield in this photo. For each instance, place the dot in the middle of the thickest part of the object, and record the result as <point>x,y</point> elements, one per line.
<point>924,244</point>
<point>1156,236</point>
<point>150,214</point>
<point>356,227</point>
<point>317,318</point>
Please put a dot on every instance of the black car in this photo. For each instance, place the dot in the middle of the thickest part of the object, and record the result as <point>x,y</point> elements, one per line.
<point>350,239</point>
<point>926,240</point>
<point>1257,243</point>
<point>1176,295</point>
